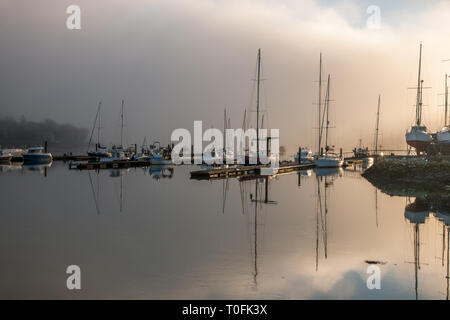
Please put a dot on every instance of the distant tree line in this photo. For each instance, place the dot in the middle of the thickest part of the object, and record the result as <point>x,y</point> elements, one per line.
<point>23,133</point>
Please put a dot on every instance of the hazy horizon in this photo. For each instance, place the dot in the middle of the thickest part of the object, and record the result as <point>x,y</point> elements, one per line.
<point>174,62</point>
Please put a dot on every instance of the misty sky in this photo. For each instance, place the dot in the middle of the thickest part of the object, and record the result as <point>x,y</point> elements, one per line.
<point>178,61</point>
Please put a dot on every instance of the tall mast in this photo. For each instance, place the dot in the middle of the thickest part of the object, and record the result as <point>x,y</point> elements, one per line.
<point>121,128</point>
<point>378,124</point>
<point>320,101</point>
<point>257,106</point>
<point>446,101</point>
<point>448,244</point>
<point>99,124</point>
<point>224,129</point>
<point>93,127</point>
<point>327,104</point>
<point>419,92</point>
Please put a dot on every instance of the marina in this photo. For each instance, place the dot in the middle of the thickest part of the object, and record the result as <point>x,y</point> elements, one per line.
<point>225,154</point>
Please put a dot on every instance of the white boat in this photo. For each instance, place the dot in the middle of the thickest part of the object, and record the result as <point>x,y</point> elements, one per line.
<point>329,160</point>
<point>37,155</point>
<point>418,137</point>
<point>5,156</point>
<point>305,154</point>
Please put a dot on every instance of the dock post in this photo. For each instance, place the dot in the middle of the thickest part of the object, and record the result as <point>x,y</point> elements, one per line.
<point>266,199</point>
<point>300,155</point>
<point>340,152</point>
<point>45,146</point>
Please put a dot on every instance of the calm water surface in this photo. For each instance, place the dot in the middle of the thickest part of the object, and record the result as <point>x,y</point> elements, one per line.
<point>147,234</point>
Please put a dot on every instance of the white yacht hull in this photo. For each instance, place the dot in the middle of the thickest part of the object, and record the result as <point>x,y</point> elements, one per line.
<point>329,162</point>
<point>443,137</point>
<point>418,138</point>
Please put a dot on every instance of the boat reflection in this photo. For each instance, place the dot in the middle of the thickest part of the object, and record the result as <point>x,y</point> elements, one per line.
<point>325,179</point>
<point>40,168</point>
<point>328,172</point>
<point>416,213</point>
<point>429,201</point>
<point>10,166</point>
<point>161,171</point>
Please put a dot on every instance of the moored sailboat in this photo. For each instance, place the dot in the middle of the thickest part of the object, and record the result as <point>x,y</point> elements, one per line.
<point>100,151</point>
<point>329,159</point>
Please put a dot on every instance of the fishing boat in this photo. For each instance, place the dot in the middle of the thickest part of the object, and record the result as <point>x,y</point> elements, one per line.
<point>5,156</point>
<point>37,155</point>
<point>443,136</point>
<point>304,154</point>
<point>418,137</point>
<point>100,151</point>
<point>360,151</point>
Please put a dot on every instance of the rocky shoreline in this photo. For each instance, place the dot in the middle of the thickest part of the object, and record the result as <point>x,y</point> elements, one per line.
<point>416,170</point>
<point>427,178</point>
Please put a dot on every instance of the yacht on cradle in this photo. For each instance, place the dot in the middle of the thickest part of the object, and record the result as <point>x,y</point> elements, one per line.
<point>443,136</point>
<point>418,137</point>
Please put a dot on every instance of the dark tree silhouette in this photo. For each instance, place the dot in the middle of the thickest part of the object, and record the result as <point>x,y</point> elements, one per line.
<point>23,133</point>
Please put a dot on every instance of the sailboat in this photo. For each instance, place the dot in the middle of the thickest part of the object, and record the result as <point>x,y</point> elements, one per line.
<point>443,136</point>
<point>418,137</point>
<point>100,151</point>
<point>329,159</point>
<point>117,152</point>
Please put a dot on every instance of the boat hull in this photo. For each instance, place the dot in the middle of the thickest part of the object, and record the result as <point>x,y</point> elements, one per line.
<point>328,162</point>
<point>418,138</point>
<point>99,154</point>
<point>5,158</point>
<point>37,158</point>
<point>443,137</point>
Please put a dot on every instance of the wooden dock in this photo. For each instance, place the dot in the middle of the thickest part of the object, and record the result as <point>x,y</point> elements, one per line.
<point>74,158</point>
<point>108,165</point>
<point>242,171</point>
